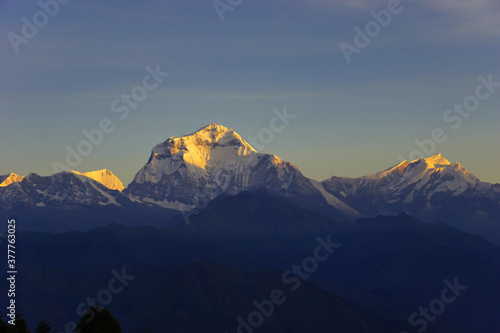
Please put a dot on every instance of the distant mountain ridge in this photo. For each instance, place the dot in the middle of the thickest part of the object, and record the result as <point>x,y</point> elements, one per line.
<point>431,189</point>
<point>105,177</point>
<point>9,179</point>
<point>190,171</point>
<point>63,189</point>
<point>407,181</point>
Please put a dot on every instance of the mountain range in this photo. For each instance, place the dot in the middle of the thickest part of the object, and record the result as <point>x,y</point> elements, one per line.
<point>254,225</point>
<point>187,172</point>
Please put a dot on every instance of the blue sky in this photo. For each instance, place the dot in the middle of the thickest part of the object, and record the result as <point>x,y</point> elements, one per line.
<point>351,119</point>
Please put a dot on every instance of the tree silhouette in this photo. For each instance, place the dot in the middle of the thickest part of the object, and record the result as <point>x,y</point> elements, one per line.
<point>97,320</point>
<point>43,327</point>
<point>4,327</point>
<point>20,324</point>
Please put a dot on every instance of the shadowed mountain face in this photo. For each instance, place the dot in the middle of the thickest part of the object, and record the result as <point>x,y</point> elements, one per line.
<point>391,266</point>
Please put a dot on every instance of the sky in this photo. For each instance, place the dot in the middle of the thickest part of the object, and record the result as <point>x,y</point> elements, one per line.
<point>362,92</point>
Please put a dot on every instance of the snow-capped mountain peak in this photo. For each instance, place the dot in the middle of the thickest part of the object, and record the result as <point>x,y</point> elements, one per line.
<point>421,171</point>
<point>396,170</point>
<point>212,135</point>
<point>215,160</point>
<point>416,187</point>
<point>9,179</point>
<point>430,163</point>
<point>61,189</point>
<point>451,175</point>
<point>434,160</point>
<point>105,177</point>
<point>210,151</point>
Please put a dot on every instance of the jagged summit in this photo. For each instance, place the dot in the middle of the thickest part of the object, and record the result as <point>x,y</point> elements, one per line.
<point>213,134</point>
<point>420,174</point>
<point>210,151</point>
<point>213,127</point>
<point>9,179</point>
<point>62,189</point>
<point>417,168</point>
<point>395,170</point>
<point>433,162</point>
<point>437,159</point>
<point>422,170</point>
<point>104,176</point>
<point>424,188</point>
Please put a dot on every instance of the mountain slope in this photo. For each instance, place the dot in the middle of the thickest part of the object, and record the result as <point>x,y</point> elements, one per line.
<point>9,179</point>
<point>105,177</point>
<point>64,189</point>
<point>68,201</point>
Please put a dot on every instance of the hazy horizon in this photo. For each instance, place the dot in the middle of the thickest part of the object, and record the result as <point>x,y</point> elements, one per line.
<point>126,181</point>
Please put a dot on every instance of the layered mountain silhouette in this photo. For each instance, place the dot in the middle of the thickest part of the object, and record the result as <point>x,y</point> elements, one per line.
<point>105,177</point>
<point>237,250</point>
<point>254,220</point>
<point>190,171</point>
